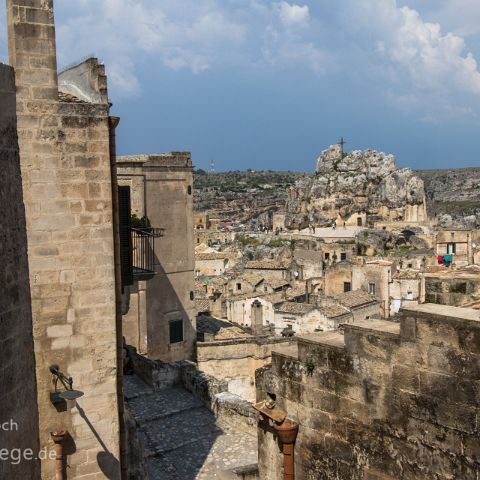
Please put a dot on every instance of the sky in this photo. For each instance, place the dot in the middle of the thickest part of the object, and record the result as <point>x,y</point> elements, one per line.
<point>270,84</point>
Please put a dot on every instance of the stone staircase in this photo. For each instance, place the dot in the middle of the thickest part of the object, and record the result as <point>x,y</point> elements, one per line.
<point>180,438</point>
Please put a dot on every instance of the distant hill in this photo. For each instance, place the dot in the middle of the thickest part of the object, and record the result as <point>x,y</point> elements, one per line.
<point>238,181</point>
<point>454,191</point>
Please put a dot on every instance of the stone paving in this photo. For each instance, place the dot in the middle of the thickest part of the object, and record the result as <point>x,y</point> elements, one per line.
<point>182,439</point>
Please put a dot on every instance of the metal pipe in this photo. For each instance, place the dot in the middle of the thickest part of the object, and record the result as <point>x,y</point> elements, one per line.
<point>288,461</point>
<point>287,433</point>
<point>112,124</point>
<point>58,438</point>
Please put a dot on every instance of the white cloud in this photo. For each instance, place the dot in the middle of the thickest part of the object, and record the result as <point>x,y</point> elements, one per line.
<point>187,36</point>
<point>294,15</point>
<point>415,57</point>
<point>384,45</point>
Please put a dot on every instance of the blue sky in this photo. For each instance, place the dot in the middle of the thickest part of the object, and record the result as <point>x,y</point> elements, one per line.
<point>270,84</point>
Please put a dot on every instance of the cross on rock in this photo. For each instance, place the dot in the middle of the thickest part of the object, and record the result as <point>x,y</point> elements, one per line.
<point>342,142</point>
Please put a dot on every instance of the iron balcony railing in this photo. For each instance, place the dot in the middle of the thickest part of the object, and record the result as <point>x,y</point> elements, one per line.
<point>143,251</point>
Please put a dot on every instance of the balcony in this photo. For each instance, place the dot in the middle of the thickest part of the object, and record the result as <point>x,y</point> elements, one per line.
<point>143,252</point>
<point>138,253</point>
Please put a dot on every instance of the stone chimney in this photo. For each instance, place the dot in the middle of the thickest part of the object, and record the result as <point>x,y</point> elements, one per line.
<point>257,318</point>
<point>31,45</point>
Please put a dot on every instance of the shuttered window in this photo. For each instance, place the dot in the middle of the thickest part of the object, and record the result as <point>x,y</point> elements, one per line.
<point>124,217</point>
<point>176,331</point>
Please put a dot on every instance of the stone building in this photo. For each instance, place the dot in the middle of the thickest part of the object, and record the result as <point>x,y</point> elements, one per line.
<point>462,245</point>
<point>65,157</point>
<point>213,238</point>
<point>202,221</point>
<point>213,263</point>
<point>406,289</point>
<point>239,307</point>
<point>338,278</point>
<point>18,395</point>
<point>161,319</point>
<point>307,318</point>
<point>375,277</point>
<point>308,264</point>
<point>226,352</point>
<point>380,401</point>
<point>278,222</point>
<point>269,268</point>
<point>360,304</point>
<point>451,287</point>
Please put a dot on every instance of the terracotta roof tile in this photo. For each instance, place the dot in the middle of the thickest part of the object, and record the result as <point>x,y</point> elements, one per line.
<point>295,308</point>
<point>355,298</point>
<point>267,264</point>
<point>202,304</point>
<point>331,310</point>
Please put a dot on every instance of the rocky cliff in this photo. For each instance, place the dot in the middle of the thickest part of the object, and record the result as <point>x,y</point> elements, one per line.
<point>453,196</point>
<point>360,182</point>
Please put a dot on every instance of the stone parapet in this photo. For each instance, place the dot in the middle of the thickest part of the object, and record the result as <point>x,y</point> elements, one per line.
<point>379,391</point>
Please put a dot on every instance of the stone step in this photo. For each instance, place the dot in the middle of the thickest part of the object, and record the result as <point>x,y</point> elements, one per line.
<point>159,468</point>
<point>134,386</point>
<point>206,458</point>
<point>160,404</point>
<point>179,430</point>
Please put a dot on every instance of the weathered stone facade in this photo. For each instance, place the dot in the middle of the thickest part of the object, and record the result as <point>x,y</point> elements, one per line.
<point>65,165</point>
<point>383,401</point>
<point>236,361</point>
<point>161,187</point>
<point>451,287</point>
<point>18,396</point>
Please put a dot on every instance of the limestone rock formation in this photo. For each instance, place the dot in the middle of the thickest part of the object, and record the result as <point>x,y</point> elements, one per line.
<point>360,182</point>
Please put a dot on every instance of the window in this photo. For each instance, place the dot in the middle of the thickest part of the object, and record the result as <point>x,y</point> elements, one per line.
<point>192,296</point>
<point>239,286</point>
<point>327,256</point>
<point>451,248</point>
<point>372,288</point>
<point>176,331</point>
<point>190,192</point>
<point>343,256</point>
<point>347,286</point>
<point>359,221</point>
<point>410,265</point>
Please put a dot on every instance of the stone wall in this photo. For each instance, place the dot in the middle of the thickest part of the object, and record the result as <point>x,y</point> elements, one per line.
<point>451,290</point>
<point>65,164</point>
<point>161,375</point>
<point>384,401</point>
<point>235,361</point>
<point>17,359</point>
